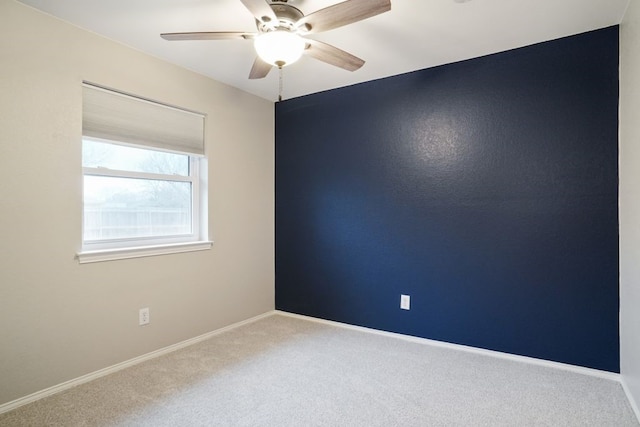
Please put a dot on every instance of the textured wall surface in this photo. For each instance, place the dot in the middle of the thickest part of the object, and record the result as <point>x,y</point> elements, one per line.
<point>630,202</point>
<point>486,190</point>
<point>59,319</point>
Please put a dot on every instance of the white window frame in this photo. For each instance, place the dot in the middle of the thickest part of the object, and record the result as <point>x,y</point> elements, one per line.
<point>113,249</point>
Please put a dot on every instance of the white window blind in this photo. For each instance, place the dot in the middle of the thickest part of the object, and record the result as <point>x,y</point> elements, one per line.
<point>115,116</point>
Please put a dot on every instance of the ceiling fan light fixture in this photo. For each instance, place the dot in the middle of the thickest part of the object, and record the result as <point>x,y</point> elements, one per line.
<point>280,47</point>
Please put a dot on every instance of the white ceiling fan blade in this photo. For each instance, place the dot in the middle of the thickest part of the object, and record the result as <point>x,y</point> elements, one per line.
<point>332,55</point>
<point>207,36</point>
<point>341,14</point>
<point>261,11</point>
<point>260,69</point>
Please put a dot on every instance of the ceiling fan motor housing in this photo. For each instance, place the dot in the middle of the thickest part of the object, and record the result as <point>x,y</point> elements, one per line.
<point>287,17</point>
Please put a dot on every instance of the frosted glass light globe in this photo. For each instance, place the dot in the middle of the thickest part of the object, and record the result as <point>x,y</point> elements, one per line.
<point>279,48</point>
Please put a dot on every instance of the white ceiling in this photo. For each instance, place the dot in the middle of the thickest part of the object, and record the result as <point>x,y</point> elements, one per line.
<point>415,34</point>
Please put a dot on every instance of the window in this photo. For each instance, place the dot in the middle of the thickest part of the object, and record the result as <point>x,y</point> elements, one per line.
<point>141,166</point>
<point>133,194</point>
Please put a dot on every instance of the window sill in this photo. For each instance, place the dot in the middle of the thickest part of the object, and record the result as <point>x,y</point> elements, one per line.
<point>139,252</point>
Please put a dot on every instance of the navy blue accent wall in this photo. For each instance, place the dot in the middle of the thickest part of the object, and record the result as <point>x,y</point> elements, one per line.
<point>484,189</point>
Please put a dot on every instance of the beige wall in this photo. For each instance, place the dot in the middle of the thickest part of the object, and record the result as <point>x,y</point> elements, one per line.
<point>630,201</point>
<point>60,320</point>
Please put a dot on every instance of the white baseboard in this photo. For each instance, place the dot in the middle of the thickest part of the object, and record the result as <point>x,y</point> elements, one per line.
<point>530,360</point>
<point>128,363</point>
<point>630,398</point>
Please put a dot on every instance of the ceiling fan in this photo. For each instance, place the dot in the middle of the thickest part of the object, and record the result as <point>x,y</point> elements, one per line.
<point>280,39</point>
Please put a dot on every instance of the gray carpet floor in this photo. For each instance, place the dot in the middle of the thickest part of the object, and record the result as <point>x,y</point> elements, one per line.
<point>284,371</point>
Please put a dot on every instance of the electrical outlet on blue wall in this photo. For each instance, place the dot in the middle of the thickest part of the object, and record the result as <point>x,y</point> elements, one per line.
<point>405,302</point>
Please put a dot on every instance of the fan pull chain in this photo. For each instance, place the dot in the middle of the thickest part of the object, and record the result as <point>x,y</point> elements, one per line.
<point>280,84</point>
